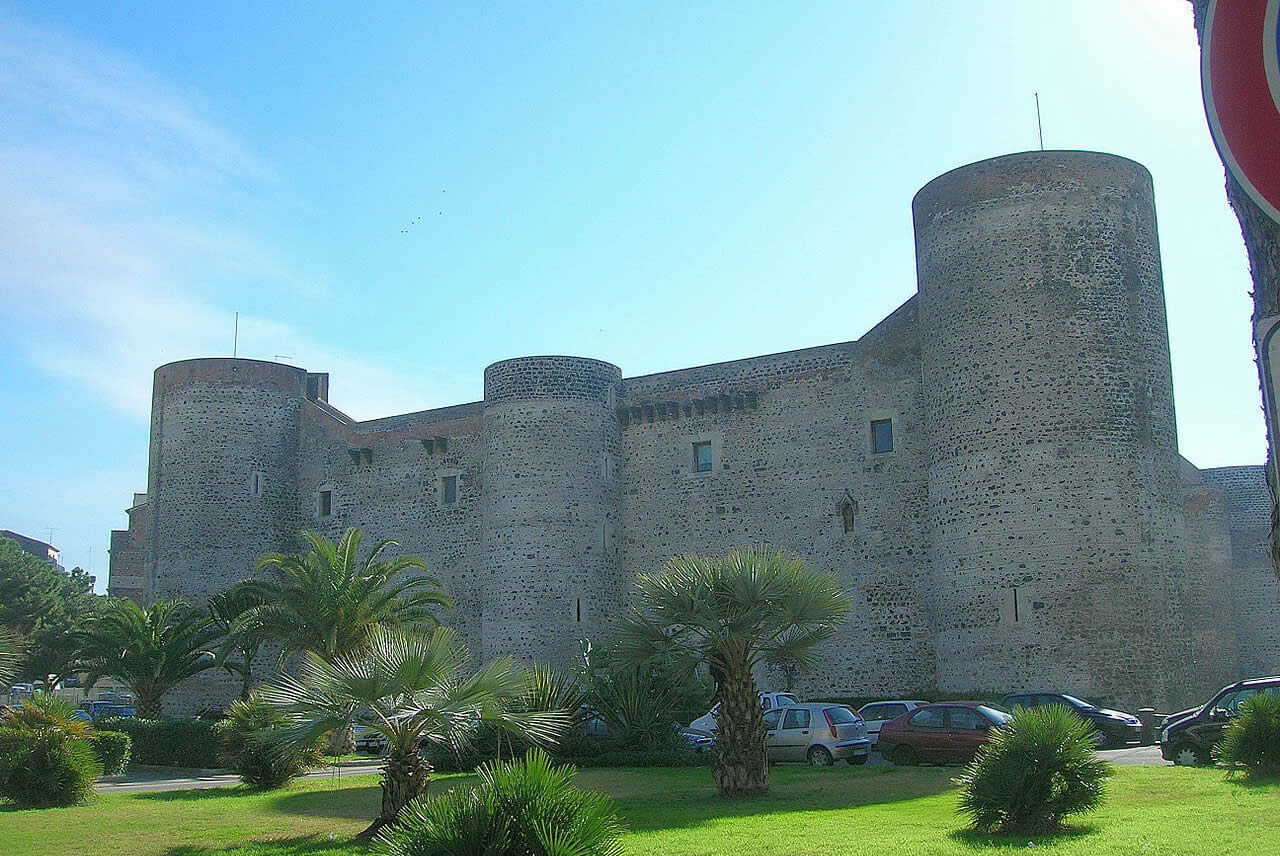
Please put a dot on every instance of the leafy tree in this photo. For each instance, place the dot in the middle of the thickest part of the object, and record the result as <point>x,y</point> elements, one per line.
<point>732,613</point>
<point>149,650</point>
<point>527,807</point>
<point>43,606</point>
<point>329,602</point>
<point>1034,772</point>
<point>10,654</point>
<point>417,690</point>
<point>245,746</point>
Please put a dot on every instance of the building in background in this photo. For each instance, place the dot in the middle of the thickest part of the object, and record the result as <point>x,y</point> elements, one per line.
<point>40,549</point>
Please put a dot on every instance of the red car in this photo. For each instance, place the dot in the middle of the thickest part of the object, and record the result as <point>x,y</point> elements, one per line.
<point>940,733</point>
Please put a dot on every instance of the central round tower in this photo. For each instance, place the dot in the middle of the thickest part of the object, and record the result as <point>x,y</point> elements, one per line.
<point>550,505</point>
<point>1055,523</point>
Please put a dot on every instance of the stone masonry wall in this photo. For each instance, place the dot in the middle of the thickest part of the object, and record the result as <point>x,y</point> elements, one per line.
<point>791,443</point>
<point>1054,489</point>
<point>1255,593</point>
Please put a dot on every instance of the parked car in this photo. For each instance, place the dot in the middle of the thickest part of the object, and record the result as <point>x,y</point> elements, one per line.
<point>102,709</point>
<point>699,742</point>
<point>1188,739</point>
<point>370,741</point>
<point>818,733</point>
<point>1114,727</point>
<point>877,713</point>
<point>943,733</point>
<point>706,724</point>
<point>81,715</point>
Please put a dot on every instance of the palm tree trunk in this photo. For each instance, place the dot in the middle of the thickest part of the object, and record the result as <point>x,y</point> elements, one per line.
<point>741,766</point>
<point>406,775</point>
<point>342,741</point>
<point>148,707</point>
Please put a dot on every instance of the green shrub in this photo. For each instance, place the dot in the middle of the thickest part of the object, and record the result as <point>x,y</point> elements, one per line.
<point>1252,741</point>
<point>45,766</point>
<point>168,742</point>
<point>1033,773</point>
<point>245,747</point>
<point>522,808</point>
<point>113,749</point>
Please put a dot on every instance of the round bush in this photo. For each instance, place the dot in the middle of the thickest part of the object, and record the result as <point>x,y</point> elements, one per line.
<point>1252,742</point>
<point>1033,773</point>
<point>522,808</point>
<point>113,749</point>
<point>46,768</point>
<point>245,746</point>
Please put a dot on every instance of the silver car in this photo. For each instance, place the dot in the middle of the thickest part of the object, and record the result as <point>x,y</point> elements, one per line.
<point>820,734</point>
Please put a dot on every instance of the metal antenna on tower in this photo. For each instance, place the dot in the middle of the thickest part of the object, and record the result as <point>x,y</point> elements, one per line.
<point>235,341</point>
<point>1039,127</point>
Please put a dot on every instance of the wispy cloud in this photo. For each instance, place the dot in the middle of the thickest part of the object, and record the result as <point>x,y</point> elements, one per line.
<point>119,242</point>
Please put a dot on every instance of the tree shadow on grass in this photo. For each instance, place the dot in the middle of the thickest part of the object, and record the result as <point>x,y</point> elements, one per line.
<point>1254,783</point>
<point>688,799</point>
<point>192,794</point>
<point>977,840</point>
<point>355,803</point>
<point>304,845</point>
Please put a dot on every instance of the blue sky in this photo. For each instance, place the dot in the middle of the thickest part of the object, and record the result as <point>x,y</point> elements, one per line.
<point>405,195</point>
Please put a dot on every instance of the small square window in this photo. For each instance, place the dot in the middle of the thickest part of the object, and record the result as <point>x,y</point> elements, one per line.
<point>326,503</point>
<point>882,435</point>
<point>449,490</point>
<point>702,457</point>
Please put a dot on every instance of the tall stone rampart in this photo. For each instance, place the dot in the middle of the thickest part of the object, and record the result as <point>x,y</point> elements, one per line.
<point>550,505</point>
<point>1054,491</point>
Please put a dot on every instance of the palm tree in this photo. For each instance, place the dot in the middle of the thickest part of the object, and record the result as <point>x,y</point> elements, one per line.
<point>327,601</point>
<point>732,613</point>
<point>226,607</point>
<point>416,689</point>
<point>149,650</point>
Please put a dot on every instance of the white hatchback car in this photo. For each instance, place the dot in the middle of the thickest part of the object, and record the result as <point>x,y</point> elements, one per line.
<point>706,724</point>
<point>877,713</point>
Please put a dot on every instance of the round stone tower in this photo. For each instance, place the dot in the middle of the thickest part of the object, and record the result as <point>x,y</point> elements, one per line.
<point>222,479</point>
<point>1058,555</point>
<point>550,505</point>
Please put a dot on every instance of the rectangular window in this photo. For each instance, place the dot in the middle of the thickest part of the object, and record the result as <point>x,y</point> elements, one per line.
<point>449,490</point>
<point>326,503</point>
<point>882,435</point>
<point>255,485</point>
<point>702,457</point>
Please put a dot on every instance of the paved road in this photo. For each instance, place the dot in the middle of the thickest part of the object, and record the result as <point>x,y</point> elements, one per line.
<point>165,781</point>
<point>1145,756</point>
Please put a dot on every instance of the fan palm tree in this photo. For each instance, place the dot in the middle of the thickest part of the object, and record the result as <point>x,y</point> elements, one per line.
<point>149,650</point>
<point>732,613</point>
<point>328,601</point>
<point>417,690</point>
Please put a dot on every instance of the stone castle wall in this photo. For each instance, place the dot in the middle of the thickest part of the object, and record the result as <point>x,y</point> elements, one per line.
<point>1032,527</point>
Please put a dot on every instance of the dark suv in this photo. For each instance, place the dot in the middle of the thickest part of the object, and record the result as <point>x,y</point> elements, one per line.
<point>1188,739</point>
<point>1115,728</point>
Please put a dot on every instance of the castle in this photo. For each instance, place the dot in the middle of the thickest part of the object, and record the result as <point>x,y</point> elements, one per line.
<point>992,471</point>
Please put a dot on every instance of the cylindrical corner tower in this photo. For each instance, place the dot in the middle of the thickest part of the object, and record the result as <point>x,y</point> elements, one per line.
<point>550,505</point>
<point>222,479</point>
<point>1056,532</point>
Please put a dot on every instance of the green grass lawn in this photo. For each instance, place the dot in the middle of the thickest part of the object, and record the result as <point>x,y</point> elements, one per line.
<point>875,810</point>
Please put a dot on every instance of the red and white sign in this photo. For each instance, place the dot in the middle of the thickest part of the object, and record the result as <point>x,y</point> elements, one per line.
<point>1240,75</point>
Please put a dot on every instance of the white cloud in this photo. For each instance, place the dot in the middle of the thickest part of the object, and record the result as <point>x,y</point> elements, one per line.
<point>114,257</point>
